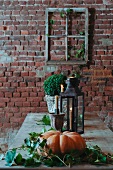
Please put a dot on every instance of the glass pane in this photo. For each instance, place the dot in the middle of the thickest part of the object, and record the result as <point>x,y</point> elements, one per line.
<point>57,24</point>
<point>76,49</point>
<point>57,49</point>
<point>80,113</point>
<point>76,23</point>
<point>67,109</point>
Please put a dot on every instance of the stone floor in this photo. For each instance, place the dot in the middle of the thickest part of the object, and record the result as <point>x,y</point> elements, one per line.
<point>96,133</point>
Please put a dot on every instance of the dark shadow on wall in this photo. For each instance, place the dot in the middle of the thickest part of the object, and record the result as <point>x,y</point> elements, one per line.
<point>91,34</point>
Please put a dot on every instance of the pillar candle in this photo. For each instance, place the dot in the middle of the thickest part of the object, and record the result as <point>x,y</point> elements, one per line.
<point>70,117</point>
<point>62,88</point>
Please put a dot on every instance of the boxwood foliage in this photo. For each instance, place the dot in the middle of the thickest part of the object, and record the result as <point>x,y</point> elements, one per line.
<point>52,85</point>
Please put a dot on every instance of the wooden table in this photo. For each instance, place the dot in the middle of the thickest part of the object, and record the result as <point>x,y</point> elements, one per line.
<point>96,133</point>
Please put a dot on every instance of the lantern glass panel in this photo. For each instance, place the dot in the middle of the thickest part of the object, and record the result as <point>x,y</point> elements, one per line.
<point>80,119</point>
<point>67,108</point>
<point>74,113</point>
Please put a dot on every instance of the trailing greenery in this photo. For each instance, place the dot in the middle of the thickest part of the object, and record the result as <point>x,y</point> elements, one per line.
<point>91,155</point>
<point>80,53</point>
<point>65,13</point>
<point>37,154</point>
<point>78,71</point>
<point>52,85</point>
<point>45,120</point>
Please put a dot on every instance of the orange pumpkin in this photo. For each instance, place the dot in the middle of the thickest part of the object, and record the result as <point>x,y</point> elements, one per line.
<point>62,143</point>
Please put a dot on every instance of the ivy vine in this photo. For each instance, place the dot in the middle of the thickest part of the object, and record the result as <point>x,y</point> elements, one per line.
<point>37,155</point>
<point>92,155</point>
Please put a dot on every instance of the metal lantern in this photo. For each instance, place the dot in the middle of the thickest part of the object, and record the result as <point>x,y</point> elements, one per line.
<point>72,104</point>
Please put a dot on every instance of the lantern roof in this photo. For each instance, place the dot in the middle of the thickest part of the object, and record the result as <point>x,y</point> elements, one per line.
<point>72,89</point>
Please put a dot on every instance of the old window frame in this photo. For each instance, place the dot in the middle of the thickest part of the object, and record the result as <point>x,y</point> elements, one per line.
<point>85,37</point>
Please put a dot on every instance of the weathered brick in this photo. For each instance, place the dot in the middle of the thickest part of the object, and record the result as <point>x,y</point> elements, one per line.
<point>25,94</point>
<point>1,94</point>
<point>6,125</point>
<point>22,99</point>
<point>33,94</point>
<point>12,109</point>
<point>5,99</point>
<point>8,94</point>
<point>2,104</point>
<point>32,73</point>
<point>8,74</point>
<point>19,104</point>
<point>43,104</point>
<point>31,84</point>
<point>3,79</point>
<point>6,84</point>
<point>14,119</point>
<point>10,104</point>
<point>25,73</point>
<point>24,32</point>
<point>41,94</point>
<point>23,84</point>
<point>108,88</point>
<point>1,74</point>
<point>35,99</point>
<point>34,104</point>
<point>31,63</point>
<point>26,104</point>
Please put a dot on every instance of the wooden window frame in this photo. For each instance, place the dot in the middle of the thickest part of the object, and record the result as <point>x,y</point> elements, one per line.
<point>85,37</point>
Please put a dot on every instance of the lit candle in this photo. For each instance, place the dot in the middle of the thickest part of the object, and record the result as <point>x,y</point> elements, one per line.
<point>70,118</point>
<point>62,88</point>
<point>56,102</point>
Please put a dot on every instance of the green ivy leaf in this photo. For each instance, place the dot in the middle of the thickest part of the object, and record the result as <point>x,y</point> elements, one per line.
<point>52,21</point>
<point>34,136</point>
<point>46,120</point>
<point>43,130</point>
<point>68,56</point>
<point>19,160</point>
<point>43,143</point>
<point>49,162</point>
<point>9,157</point>
<point>27,142</point>
<point>102,158</point>
<point>97,161</point>
<point>69,10</point>
<point>53,161</point>
<point>32,162</point>
<point>50,151</point>
<point>81,33</point>
<point>62,15</point>
<point>78,76</point>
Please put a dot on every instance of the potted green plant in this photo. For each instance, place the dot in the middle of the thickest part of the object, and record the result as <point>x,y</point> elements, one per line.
<point>52,87</point>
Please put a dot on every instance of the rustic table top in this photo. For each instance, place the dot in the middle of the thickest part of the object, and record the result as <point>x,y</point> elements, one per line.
<point>96,133</point>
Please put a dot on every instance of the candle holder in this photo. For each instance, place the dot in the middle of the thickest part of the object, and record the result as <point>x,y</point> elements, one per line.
<point>73,100</point>
<point>57,120</point>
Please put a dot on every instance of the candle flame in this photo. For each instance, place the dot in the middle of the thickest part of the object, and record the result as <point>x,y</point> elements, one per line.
<point>70,108</point>
<point>62,86</point>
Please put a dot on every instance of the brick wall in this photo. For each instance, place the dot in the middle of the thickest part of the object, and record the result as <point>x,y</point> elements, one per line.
<point>22,59</point>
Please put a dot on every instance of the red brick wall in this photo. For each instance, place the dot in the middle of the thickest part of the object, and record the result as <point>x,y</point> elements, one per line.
<point>22,58</point>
